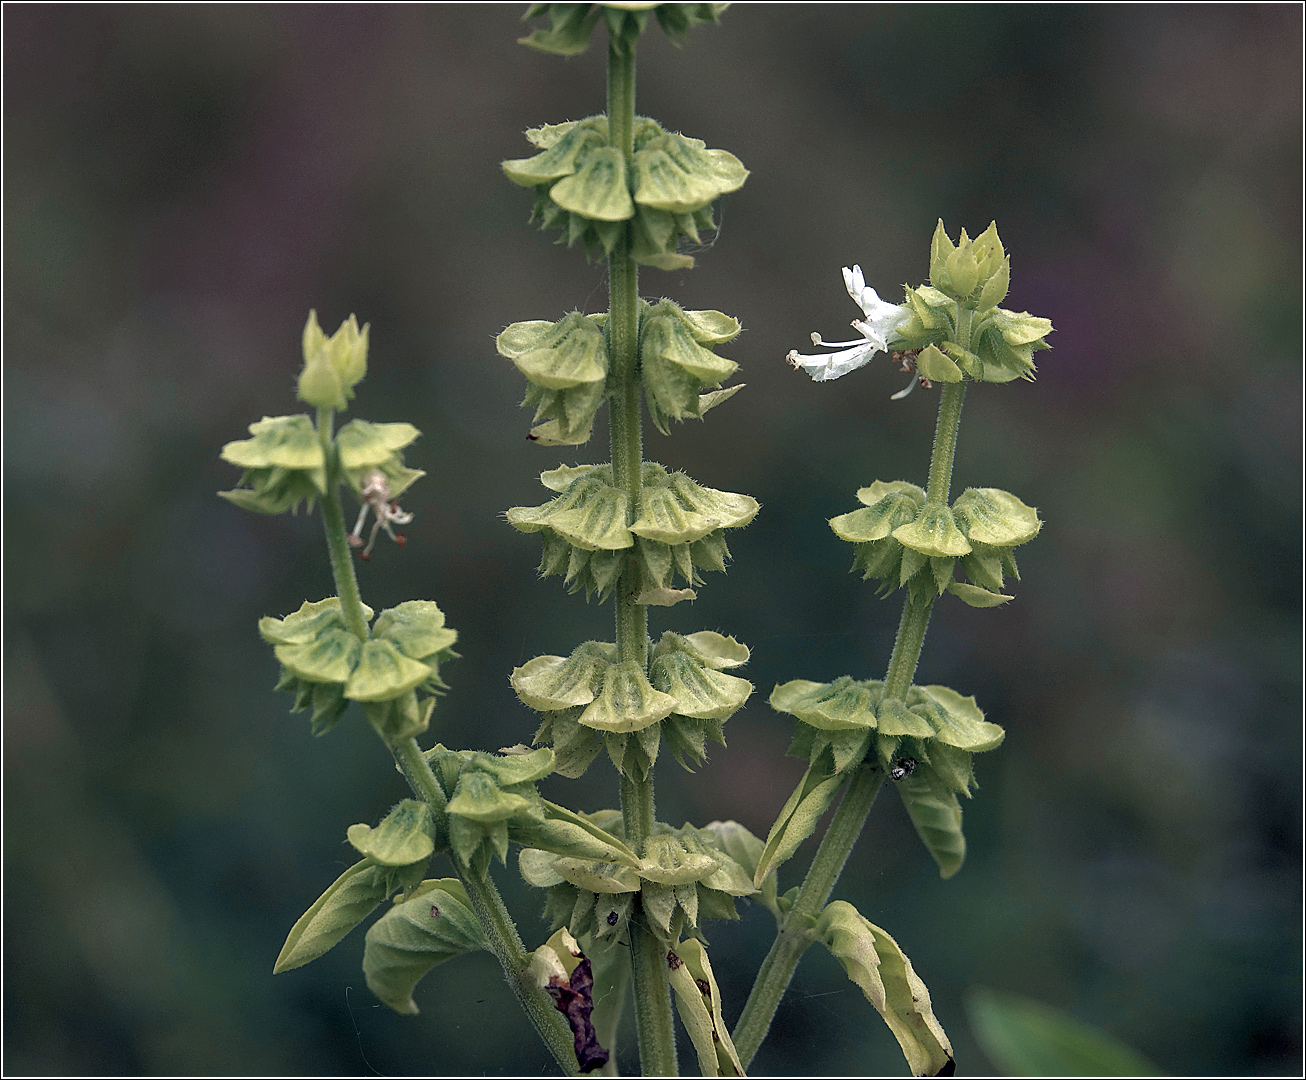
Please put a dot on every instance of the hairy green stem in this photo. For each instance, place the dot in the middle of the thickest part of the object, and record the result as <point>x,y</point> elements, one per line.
<point>792,940</point>
<point>907,645</point>
<point>500,931</point>
<point>333,518</point>
<point>506,944</point>
<point>795,935</point>
<point>945,442</point>
<point>652,992</point>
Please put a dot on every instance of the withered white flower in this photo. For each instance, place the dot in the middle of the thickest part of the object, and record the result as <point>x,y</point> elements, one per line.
<point>880,324</point>
<point>376,497</point>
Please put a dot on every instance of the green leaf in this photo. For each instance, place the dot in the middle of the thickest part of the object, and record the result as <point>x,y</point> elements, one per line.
<point>478,798</point>
<point>569,29</point>
<point>680,175</point>
<point>878,520</point>
<point>596,875</point>
<point>667,862</point>
<point>842,705</point>
<point>411,938</point>
<point>319,384</point>
<point>873,960</point>
<point>286,442</point>
<point>399,718</point>
<point>346,903</point>
<point>1028,1038</point>
<point>956,720</point>
<point>590,515</point>
<point>934,533</point>
<point>674,363</point>
<point>363,444</point>
<point>416,627</point>
<point>977,597</point>
<point>717,650</point>
<point>698,1001</point>
<point>512,769</point>
<point>798,817</point>
<point>598,188</point>
<point>937,817</point>
<point>995,289</point>
<point>403,838</point>
<point>701,692</point>
<point>383,673</point>
<point>935,366</point>
<point>628,702</point>
<point>557,356</point>
<point>995,517</point>
<point>1020,328</point>
<point>566,833</point>
<point>329,657</point>
<point>550,683</point>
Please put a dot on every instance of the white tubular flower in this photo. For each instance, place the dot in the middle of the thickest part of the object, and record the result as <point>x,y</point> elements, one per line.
<point>376,497</point>
<point>882,321</point>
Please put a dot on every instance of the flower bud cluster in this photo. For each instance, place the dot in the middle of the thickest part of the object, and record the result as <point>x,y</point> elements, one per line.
<point>327,666</point>
<point>901,537</point>
<point>967,282</point>
<point>333,365</point>
<point>584,187</point>
<point>679,531</point>
<point>288,460</point>
<point>592,701</point>
<point>684,877</point>
<point>566,366</point>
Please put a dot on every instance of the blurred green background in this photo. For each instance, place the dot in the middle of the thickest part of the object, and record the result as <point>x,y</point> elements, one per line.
<point>183,182</point>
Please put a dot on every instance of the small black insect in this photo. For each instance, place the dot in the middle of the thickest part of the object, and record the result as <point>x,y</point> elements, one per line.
<point>612,918</point>
<point>902,768</point>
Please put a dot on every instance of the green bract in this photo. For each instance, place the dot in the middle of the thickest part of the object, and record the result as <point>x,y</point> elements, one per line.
<point>494,802</point>
<point>284,463</point>
<point>586,536</point>
<point>332,365</point>
<point>685,876</point>
<point>676,363</point>
<point>570,24</point>
<point>900,536</point>
<point>586,187</point>
<point>924,742</point>
<point>686,686</point>
<point>365,447</point>
<point>406,836</point>
<point>326,664</point>
<point>566,364</point>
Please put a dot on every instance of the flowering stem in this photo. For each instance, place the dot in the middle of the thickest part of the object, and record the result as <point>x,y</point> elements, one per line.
<point>500,931</point>
<point>652,993</point>
<point>945,442</point>
<point>909,642</point>
<point>837,844</point>
<point>794,936</point>
<point>333,518</point>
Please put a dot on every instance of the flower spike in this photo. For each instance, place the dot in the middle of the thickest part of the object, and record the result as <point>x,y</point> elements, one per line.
<point>881,325</point>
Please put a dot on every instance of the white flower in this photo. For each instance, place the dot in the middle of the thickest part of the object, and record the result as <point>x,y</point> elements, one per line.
<point>881,323</point>
<point>376,497</point>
